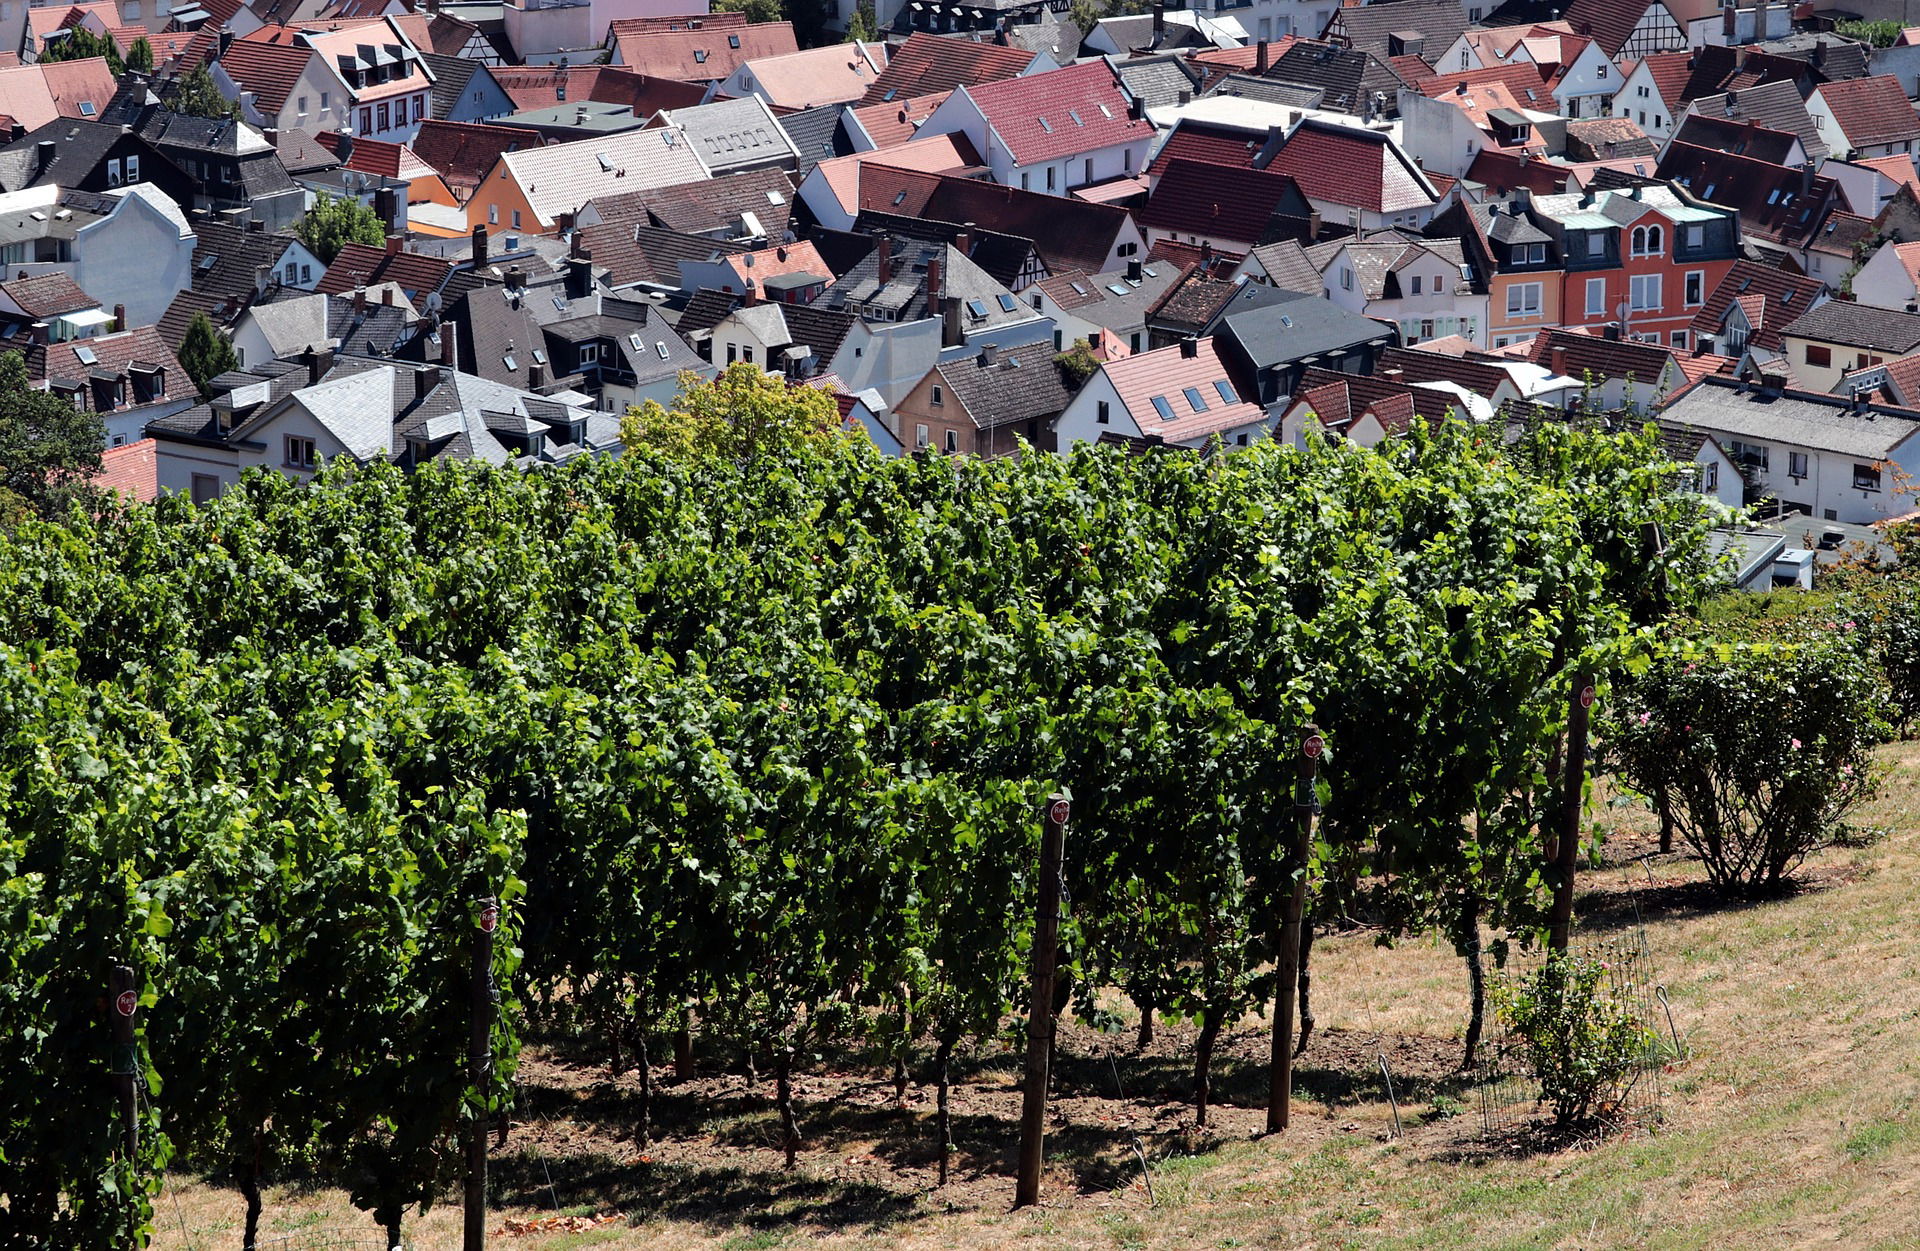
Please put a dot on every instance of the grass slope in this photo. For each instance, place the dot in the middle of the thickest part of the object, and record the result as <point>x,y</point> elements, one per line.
<point>1796,1123</point>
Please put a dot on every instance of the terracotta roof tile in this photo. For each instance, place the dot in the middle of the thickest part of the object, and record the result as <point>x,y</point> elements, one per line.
<point>1062,113</point>
<point>268,70</point>
<point>1344,166</point>
<point>463,152</point>
<point>359,265</point>
<point>1167,373</point>
<point>1871,111</point>
<point>706,55</point>
<point>47,295</point>
<point>892,124</point>
<point>1202,141</point>
<point>130,471</point>
<point>1217,201</point>
<point>928,64</point>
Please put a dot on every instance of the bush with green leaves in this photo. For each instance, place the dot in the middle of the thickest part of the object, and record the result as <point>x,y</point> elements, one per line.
<point>1583,1042</point>
<point>1756,752</point>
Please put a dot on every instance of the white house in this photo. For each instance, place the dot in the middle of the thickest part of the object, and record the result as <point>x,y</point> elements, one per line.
<point>1891,277</point>
<point>1423,286</point>
<point>1862,118</point>
<point>1053,132</point>
<point>1833,457</point>
<point>129,247</point>
<point>1588,79</point>
<point>1181,395</point>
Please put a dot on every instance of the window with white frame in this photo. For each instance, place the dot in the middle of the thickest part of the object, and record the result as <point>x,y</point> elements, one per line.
<point>1796,464</point>
<point>1648,240</point>
<point>300,452</point>
<point>1643,294</point>
<point>114,177</point>
<point>1596,297</point>
<point>133,169</point>
<point>1523,299</point>
<point>1696,287</point>
<point>1596,244</point>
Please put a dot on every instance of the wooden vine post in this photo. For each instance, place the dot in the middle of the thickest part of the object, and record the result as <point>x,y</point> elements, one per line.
<point>1046,939</point>
<point>1306,805</point>
<point>479,1070</point>
<point>1566,849</point>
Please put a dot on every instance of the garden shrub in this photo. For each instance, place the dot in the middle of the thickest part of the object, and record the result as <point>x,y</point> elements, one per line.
<point>1584,1043</point>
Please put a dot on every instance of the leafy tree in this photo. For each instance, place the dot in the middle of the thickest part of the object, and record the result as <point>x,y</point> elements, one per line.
<point>1875,34</point>
<point>48,450</point>
<point>80,44</point>
<point>140,56</point>
<point>334,222</point>
<point>205,352</point>
<point>864,27</point>
<point>744,413</point>
<point>1078,362</point>
<point>196,95</point>
<point>756,10</point>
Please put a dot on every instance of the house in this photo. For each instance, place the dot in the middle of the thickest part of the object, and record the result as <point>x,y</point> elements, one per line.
<point>1102,308</point>
<point>463,153</point>
<point>1619,374</point>
<point>532,87</point>
<point>755,205</point>
<point>431,208</point>
<point>129,377</point>
<point>286,323</point>
<point>832,191</point>
<point>928,64</point>
<point>284,86</point>
<point>1203,297</point>
<point>51,306</point>
<point>1741,137</point>
<point>1643,257</point>
<point>700,55</point>
<point>795,340</point>
<point>625,354</point>
<point>1449,132</point>
<point>234,167</point>
<point>130,247</point>
<point>818,136</point>
<point>230,260</point>
<point>1066,233</point>
<point>1865,118</point>
<point>1775,105</point>
<point>987,404</point>
<point>1834,457</point>
<point>1355,177</point>
<point>1652,91</point>
<point>1890,278</point>
<point>1486,387</point>
<point>1357,81</point>
<point>731,136</point>
<point>533,188</point>
<point>1284,265</point>
<point>1052,132</point>
<point>1422,285</point>
<point>1746,310</point>
<point>1518,263</point>
<point>1841,336</point>
<point>1365,411</point>
<point>867,127</point>
<point>1783,212</point>
<point>464,90</point>
<point>89,156</point>
<point>1629,28</point>
<point>787,273</point>
<point>836,74</point>
<point>1182,395</point>
<point>1272,346</point>
<point>387,79</point>
<point>910,277</point>
<point>1398,28</point>
<point>1232,208</point>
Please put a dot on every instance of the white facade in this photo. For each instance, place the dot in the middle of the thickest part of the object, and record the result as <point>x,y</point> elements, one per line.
<point>1886,280</point>
<point>959,115</point>
<point>139,256</point>
<point>1588,86</point>
<point>1435,301</point>
<point>1640,102</point>
<point>1829,485</point>
<point>1838,143</point>
<point>317,101</point>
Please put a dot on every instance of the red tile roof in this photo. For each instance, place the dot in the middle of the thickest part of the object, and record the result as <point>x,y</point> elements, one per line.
<point>359,265</point>
<point>268,70</point>
<point>1244,57</point>
<point>1035,116</point>
<point>926,64</point>
<point>1670,72</point>
<point>369,156</point>
<point>544,86</point>
<point>47,295</point>
<point>1522,78</point>
<point>1609,22</point>
<point>1358,168</point>
<point>1199,141</point>
<point>698,55</point>
<point>1871,110</point>
<point>1216,200</point>
<point>890,125</point>
<point>1504,171</point>
<point>130,471</point>
<point>73,83</point>
<point>463,152</point>
<point>1780,297</point>
<point>1166,373</point>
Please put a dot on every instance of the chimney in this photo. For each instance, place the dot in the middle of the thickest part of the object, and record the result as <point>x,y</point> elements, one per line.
<point>516,277</point>
<point>752,294</point>
<point>1159,21</point>
<point>1523,198</point>
<point>1558,361</point>
<point>536,377</point>
<point>360,300</point>
<point>1611,332</point>
<point>262,278</point>
<point>1135,271</point>
<point>1260,61</point>
<point>386,206</point>
<point>120,318</point>
<point>1137,108</point>
<point>43,156</point>
<point>1206,257</point>
<point>446,344</point>
<point>1184,98</point>
<point>480,247</point>
<point>884,250</point>
<point>386,294</point>
<point>1189,347</point>
<point>1806,177</point>
<point>990,355</point>
<point>950,321</point>
<point>425,380</point>
<point>576,244</point>
<point>318,362</point>
<point>1393,375</point>
<point>38,333</point>
<point>964,240</point>
<point>1729,24</point>
<point>1819,53</point>
<point>1313,224</point>
<point>395,241</point>
<point>935,288</point>
<point>579,276</point>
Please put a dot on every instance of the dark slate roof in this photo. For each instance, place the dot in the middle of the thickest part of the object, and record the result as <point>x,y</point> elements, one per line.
<point>635,254</point>
<point>1783,297</point>
<point>1858,325</point>
<point>1251,87</point>
<point>1414,365</point>
<point>1775,203</point>
<point>376,330</point>
<point>78,149</point>
<point>1775,105</point>
<point>227,259</point>
<point>1347,78</point>
<point>1221,202</point>
<point>1831,57</point>
<point>816,134</point>
<point>198,423</point>
<point>649,348</point>
<point>1287,266</point>
<point>179,315</point>
<point>1299,326</point>
<point>822,329</point>
<point>494,329</point>
<point>712,206</point>
<point>1744,137</point>
<point>451,74</point>
<point>1069,233</point>
<point>1002,256</point>
<point>1373,27</point>
<point>1159,80</point>
<point>1020,384</point>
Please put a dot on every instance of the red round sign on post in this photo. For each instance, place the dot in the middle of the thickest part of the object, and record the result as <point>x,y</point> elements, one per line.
<point>1059,812</point>
<point>1586,697</point>
<point>490,918</point>
<point>125,1002</point>
<point>1313,746</point>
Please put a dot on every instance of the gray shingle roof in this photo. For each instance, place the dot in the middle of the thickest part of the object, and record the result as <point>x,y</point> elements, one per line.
<point>1298,327</point>
<point>815,133</point>
<point>1021,383</point>
<point>1858,325</point>
<point>1827,423</point>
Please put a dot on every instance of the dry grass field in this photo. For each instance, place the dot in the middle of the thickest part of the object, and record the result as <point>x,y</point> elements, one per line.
<point>1796,1121</point>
